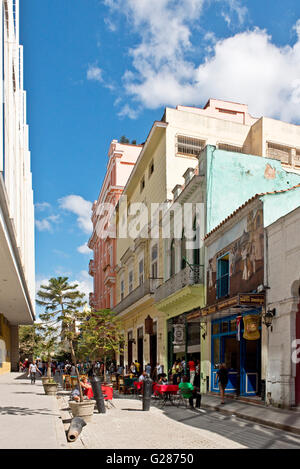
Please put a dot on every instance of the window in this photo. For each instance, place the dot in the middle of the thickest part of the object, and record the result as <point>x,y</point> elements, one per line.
<point>130,281</point>
<point>154,269</point>
<point>279,152</point>
<point>122,288</point>
<point>151,168</point>
<point>223,276</point>
<point>141,271</point>
<point>189,146</point>
<point>142,184</point>
<point>183,251</point>
<point>172,258</point>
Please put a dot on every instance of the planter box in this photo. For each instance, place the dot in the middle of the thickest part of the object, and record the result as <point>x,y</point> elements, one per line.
<point>50,389</point>
<point>45,379</point>
<point>83,409</point>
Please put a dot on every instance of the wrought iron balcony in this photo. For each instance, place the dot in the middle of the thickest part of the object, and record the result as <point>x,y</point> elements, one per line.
<point>190,275</point>
<point>146,288</point>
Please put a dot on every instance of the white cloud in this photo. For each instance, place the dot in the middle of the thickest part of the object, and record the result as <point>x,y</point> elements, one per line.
<point>247,67</point>
<point>128,111</point>
<point>84,249</point>
<point>94,73</point>
<point>41,206</point>
<point>85,283</point>
<point>46,223</point>
<point>80,207</point>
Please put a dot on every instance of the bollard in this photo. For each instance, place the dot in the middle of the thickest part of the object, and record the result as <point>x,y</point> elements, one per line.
<point>147,393</point>
<point>76,426</point>
<point>98,395</point>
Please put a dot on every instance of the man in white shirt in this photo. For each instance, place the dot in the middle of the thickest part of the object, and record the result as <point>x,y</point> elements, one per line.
<point>33,369</point>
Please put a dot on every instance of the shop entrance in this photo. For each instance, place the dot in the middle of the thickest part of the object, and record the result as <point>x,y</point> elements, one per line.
<point>242,358</point>
<point>140,347</point>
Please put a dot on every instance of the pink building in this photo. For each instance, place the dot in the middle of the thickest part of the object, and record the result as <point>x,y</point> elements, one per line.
<point>122,158</point>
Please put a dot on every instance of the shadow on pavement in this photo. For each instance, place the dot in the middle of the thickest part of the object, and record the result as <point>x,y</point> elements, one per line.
<point>10,410</point>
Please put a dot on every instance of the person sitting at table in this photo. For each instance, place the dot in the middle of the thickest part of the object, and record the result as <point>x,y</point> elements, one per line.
<point>162,379</point>
<point>187,390</point>
<point>143,376</point>
<point>86,389</point>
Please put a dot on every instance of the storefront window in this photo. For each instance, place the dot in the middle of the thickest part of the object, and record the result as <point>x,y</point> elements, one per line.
<point>193,333</point>
<point>216,328</point>
<point>232,325</point>
<point>216,351</point>
<point>224,326</point>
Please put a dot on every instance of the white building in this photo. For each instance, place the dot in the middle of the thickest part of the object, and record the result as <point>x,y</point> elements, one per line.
<point>283,298</point>
<point>17,272</point>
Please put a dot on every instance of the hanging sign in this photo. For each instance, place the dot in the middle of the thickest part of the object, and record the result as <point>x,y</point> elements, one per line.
<point>149,325</point>
<point>179,336</point>
<point>251,323</point>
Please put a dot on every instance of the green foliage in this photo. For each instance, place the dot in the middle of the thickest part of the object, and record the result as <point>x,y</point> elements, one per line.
<point>62,303</point>
<point>100,333</point>
<point>31,344</point>
<point>124,139</point>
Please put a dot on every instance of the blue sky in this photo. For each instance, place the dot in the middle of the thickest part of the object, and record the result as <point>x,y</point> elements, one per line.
<point>98,69</point>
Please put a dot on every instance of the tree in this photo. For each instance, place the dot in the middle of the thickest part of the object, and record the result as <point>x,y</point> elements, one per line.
<point>101,332</point>
<point>30,342</point>
<point>63,304</point>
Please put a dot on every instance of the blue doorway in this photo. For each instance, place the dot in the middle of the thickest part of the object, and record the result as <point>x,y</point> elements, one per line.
<point>242,358</point>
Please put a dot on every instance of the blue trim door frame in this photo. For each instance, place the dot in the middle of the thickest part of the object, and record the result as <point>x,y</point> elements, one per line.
<point>243,357</point>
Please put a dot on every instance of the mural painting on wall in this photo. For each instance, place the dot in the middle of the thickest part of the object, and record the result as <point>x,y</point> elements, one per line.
<point>246,260</point>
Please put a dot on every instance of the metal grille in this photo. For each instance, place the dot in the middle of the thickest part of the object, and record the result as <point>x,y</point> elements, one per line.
<point>278,152</point>
<point>227,147</point>
<point>189,146</point>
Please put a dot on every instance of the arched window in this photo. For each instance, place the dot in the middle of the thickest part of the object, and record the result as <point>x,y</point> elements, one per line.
<point>172,258</point>
<point>196,252</point>
<point>183,251</point>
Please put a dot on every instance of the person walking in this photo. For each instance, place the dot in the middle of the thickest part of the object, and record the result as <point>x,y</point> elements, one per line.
<point>222,378</point>
<point>192,368</point>
<point>33,369</point>
<point>196,392</point>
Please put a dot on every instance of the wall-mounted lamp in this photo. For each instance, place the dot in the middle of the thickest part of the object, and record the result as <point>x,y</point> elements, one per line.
<point>268,317</point>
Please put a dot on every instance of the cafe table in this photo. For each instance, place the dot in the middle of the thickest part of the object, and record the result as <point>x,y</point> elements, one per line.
<point>165,392</point>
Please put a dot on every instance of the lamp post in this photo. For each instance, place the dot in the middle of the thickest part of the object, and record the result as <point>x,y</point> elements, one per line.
<point>268,317</point>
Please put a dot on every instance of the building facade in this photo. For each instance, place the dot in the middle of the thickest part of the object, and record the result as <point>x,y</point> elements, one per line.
<point>121,160</point>
<point>146,283</point>
<point>283,299</point>
<point>17,270</point>
<point>245,284</point>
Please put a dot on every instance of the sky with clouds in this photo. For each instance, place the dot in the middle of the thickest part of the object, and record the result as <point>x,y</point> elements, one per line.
<point>99,69</point>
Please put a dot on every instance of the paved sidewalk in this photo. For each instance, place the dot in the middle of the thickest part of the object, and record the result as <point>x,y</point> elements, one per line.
<point>126,426</point>
<point>28,418</point>
<point>288,420</point>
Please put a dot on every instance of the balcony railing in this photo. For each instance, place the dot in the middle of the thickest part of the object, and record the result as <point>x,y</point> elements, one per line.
<point>146,288</point>
<point>190,275</point>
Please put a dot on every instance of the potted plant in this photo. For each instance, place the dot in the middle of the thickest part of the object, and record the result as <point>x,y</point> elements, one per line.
<point>63,305</point>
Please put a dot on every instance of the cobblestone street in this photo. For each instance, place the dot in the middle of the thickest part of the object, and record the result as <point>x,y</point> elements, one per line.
<point>29,419</point>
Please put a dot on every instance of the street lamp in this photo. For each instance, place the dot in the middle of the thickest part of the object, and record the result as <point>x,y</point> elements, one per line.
<point>268,317</point>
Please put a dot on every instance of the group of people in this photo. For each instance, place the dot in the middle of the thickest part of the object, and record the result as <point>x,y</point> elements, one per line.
<point>182,368</point>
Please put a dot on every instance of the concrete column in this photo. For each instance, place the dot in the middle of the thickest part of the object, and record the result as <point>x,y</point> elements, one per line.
<point>14,340</point>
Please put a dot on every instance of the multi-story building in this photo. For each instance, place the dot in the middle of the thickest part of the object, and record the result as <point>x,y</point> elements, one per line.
<point>252,265</point>
<point>17,271</point>
<point>258,148</point>
<point>282,276</point>
<point>121,160</point>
